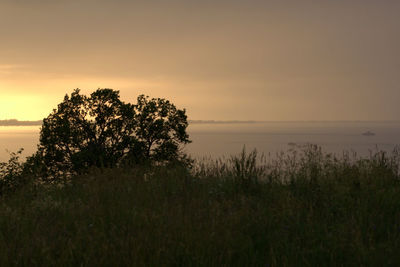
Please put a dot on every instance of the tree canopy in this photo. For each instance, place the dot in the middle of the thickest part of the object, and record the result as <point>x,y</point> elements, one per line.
<point>101,130</point>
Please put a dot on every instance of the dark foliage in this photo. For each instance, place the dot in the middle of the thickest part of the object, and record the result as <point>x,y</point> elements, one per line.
<point>160,128</point>
<point>299,209</point>
<point>12,175</point>
<point>102,131</point>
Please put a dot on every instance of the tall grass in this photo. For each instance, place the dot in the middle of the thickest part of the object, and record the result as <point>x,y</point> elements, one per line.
<point>300,208</point>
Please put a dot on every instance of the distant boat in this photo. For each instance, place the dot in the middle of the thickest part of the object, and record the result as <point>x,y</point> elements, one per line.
<point>368,133</point>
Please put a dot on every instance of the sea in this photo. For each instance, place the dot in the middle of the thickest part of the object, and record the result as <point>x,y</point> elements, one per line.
<point>222,139</point>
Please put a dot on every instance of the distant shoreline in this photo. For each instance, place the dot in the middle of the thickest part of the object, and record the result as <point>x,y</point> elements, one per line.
<point>14,122</point>
<point>291,121</point>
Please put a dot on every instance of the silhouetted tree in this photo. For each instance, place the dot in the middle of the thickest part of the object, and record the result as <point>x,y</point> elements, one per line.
<point>102,131</point>
<point>159,128</point>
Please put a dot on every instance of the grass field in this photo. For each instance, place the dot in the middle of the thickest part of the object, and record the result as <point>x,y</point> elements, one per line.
<point>303,208</point>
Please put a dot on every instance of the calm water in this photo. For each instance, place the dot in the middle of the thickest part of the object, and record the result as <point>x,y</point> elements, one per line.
<point>228,138</point>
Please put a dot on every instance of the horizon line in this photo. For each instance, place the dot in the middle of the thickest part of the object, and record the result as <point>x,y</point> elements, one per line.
<point>16,122</point>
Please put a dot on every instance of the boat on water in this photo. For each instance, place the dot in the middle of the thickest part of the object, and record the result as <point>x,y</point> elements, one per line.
<point>368,133</point>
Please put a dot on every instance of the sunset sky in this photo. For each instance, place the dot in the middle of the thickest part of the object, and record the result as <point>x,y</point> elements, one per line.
<point>220,59</point>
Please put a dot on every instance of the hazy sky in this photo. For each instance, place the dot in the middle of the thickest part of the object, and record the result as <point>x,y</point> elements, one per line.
<point>223,60</point>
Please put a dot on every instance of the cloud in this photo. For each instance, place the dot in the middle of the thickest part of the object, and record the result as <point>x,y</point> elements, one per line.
<point>9,69</point>
<point>11,66</point>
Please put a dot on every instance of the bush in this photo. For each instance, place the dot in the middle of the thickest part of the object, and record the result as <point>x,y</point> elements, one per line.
<point>11,173</point>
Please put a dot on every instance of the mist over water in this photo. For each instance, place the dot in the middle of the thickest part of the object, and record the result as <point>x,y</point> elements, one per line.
<point>272,137</point>
<point>13,138</point>
<point>222,139</point>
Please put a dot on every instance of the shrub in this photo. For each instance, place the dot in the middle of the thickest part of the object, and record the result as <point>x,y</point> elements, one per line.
<point>11,173</point>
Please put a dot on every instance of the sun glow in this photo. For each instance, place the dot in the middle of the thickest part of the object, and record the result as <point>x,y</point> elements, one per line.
<point>23,107</point>
<point>34,100</point>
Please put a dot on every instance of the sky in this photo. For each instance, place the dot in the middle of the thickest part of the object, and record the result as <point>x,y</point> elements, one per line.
<point>220,59</point>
